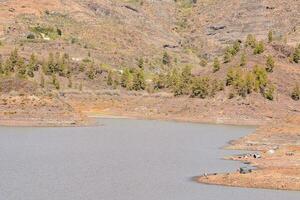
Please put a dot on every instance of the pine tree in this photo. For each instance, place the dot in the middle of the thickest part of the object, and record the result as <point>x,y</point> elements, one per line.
<point>259,48</point>
<point>55,82</point>
<point>270,64</point>
<point>140,63</point>
<point>109,80</point>
<point>21,68</point>
<point>269,92</point>
<point>261,77</point>
<point>138,81</point>
<point>33,62</point>
<point>127,79</point>
<point>250,41</point>
<point>296,55</point>
<point>166,60</point>
<point>243,61</point>
<point>270,36</point>
<point>91,73</point>
<point>216,65</point>
<point>200,87</point>
<point>50,68</point>
<point>295,95</point>
<point>227,57</point>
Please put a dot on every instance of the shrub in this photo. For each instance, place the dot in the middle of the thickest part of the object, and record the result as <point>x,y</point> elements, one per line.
<point>270,36</point>
<point>55,82</point>
<point>296,55</point>
<point>109,80</point>
<point>216,65</point>
<point>49,32</point>
<point>243,60</point>
<point>295,95</point>
<point>259,48</point>
<point>166,59</point>
<point>227,57</point>
<point>159,81</point>
<point>269,92</point>
<point>200,87</point>
<point>138,82</point>
<point>242,83</point>
<point>235,48</point>
<point>21,68</point>
<point>91,73</point>
<point>232,51</point>
<point>127,79</point>
<point>140,63</point>
<point>186,74</point>
<point>232,75</point>
<point>49,68</point>
<point>270,64</point>
<point>203,62</point>
<point>216,86</point>
<point>172,78</point>
<point>250,82</point>
<point>240,86</point>
<point>30,72</point>
<point>12,61</point>
<point>30,36</point>
<point>33,62</point>
<point>261,77</point>
<point>250,41</point>
<point>179,88</point>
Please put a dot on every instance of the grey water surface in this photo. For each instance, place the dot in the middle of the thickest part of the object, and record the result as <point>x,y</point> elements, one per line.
<point>121,160</point>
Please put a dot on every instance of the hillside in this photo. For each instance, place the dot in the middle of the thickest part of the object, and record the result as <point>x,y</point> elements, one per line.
<point>209,61</point>
<point>198,54</point>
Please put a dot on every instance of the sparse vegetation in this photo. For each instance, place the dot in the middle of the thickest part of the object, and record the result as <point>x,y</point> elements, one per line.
<point>270,64</point>
<point>166,59</point>
<point>216,65</point>
<point>296,55</point>
<point>243,60</point>
<point>45,32</point>
<point>270,36</point>
<point>295,94</point>
<point>259,48</point>
<point>231,51</point>
<point>200,87</point>
<point>250,41</point>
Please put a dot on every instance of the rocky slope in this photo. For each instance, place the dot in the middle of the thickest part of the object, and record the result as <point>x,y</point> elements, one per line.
<point>116,34</point>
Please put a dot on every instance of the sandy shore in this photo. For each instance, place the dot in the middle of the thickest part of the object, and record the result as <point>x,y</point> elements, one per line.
<point>277,163</point>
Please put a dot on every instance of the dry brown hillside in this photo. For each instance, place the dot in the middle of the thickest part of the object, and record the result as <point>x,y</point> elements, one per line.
<point>117,32</point>
<point>101,37</point>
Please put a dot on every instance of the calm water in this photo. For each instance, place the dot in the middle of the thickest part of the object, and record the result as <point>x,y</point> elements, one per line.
<point>120,160</point>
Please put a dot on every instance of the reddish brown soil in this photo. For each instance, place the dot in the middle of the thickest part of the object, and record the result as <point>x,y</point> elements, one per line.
<point>279,165</point>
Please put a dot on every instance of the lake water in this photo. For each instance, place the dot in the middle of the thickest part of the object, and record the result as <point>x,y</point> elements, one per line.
<point>121,160</point>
